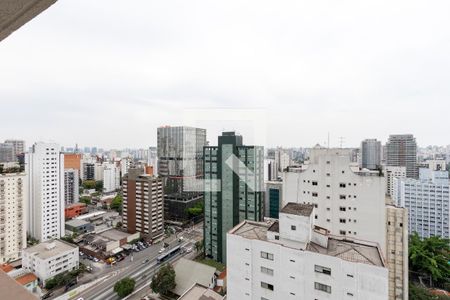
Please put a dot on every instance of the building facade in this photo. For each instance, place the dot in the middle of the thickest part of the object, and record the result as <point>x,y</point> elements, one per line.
<point>234,189</point>
<point>293,259</point>
<point>371,154</point>
<point>143,204</point>
<point>428,202</point>
<point>73,161</point>
<point>71,186</point>
<point>7,153</point>
<point>48,259</point>
<point>274,199</point>
<point>391,173</point>
<point>402,152</point>
<point>179,157</point>
<point>18,146</point>
<point>45,171</point>
<point>348,201</point>
<point>13,200</point>
<point>111,178</point>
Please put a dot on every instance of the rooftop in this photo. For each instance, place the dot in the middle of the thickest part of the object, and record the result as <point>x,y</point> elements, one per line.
<point>200,292</point>
<point>6,268</point>
<point>11,289</point>
<point>190,272</point>
<point>298,209</point>
<point>26,279</point>
<point>348,250</point>
<point>114,234</point>
<point>76,223</point>
<point>50,248</point>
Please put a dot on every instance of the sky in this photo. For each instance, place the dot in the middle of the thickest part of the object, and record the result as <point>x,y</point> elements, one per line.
<point>107,73</point>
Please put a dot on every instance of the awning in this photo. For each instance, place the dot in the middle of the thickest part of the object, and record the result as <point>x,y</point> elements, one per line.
<point>117,250</point>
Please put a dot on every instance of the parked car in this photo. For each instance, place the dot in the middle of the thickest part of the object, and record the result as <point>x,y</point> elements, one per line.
<point>146,261</point>
<point>162,250</point>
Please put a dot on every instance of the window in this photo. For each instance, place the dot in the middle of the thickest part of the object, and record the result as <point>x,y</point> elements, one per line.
<point>342,197</point>
<point>349,294</point>
<point>277,237</point>
<point>350,275</point>
<point>342,208</point>
<point>314,183</point>
<point>322,287</point>
<point>267,286</point>
<point>342,232</point>
<point>293,227</point>
<point>323,270</point>
<point>314,194</point>
<point>267,271</point>
<point>341,220</point>
<point>342,185</point>
<point>266,255</point>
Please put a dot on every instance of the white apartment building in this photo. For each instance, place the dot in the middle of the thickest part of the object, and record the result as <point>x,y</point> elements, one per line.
<point>99,174</point>
<point>428,202</point>
<point>293,259</point>
<point>125,164</point>
<point>282,159</point>
<point>437,164</point>
<point>111,177</point>
<point>348,202</point>
<point>50,258</point>
<point>391,173</point>
<point>45,171</point>
<point>71,186</point>
<point>13,200</point>
<point>18,146</point>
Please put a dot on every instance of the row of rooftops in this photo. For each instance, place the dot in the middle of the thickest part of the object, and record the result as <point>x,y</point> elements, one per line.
<point>321,241</point>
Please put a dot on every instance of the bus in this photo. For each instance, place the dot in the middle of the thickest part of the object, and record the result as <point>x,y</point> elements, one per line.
<point>163,257</point>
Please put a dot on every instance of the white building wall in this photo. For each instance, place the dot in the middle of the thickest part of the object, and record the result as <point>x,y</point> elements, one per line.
<point>294,276</point>
<point>13,201</point>
<point>320,184</point>
<point>49,267</point>
<point>111,178</point>
<point>391,173</point>
<point>45,171</point>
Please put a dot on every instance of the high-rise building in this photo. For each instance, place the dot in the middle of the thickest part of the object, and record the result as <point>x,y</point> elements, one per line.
<point>274,199</point>
<point>428,202</point>
<point>7,153</point>
<point>402,152</point>
<point>293,259</point>
<point>18,146</point>
<point>282,159</point>
<point>111,177</point>
<point>45,171</point>
<point>143,204</point>
<point>13,199</point>
<point>391,173</point>
<point>71,186</point>
<point>234,189</point>
<point>73,161</point>
<point>180,163</point>
<point>88,171</point>
<point>348,201</point>
<point>371,154</point>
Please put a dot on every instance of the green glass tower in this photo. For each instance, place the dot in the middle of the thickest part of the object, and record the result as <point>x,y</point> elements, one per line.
<point>234,189</point>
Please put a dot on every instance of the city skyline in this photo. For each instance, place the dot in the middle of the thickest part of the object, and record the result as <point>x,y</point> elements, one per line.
<point>353,69</point>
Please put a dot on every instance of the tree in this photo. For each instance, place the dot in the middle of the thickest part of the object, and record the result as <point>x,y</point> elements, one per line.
<point>116,203</point>
<point>99,186</point>
<point>119,225</point>
<point>89,184</point>
<point>199,246</point>
<point>196,210</point>
<point>164,281</point>
<point>124,287</point>
<point>85,199</point>
<point>430,256</point>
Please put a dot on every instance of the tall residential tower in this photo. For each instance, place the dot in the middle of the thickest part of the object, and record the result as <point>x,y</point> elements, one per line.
<point>234,184</point>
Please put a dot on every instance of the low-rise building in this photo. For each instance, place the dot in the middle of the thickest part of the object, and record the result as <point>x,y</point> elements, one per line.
<point>189,272</point>
<point>48,259</point>
<point>105,244</point>
<point>75,210</point>
<point>79,226</point>
<point>200,292</point>
<point>24,277</point>
<point>293,259</point>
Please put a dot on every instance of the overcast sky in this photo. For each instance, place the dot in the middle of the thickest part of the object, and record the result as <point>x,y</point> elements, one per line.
<point>107,73</point>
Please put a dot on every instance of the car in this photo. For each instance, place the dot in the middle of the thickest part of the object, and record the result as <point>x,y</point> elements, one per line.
<point>120,258</point>
<point>189,250</point>
<point>162,250</point>
<point>96,259</point>
<point>146,261</point>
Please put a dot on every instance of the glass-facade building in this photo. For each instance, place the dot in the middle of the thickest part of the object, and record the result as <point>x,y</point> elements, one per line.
<point>233,189</point>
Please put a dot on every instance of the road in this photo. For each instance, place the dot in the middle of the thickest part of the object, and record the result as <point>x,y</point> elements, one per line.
<point>137,269</point>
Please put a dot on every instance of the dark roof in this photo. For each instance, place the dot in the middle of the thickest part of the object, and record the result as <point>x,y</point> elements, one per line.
<point>275,227</point>
<point>298,209</point>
